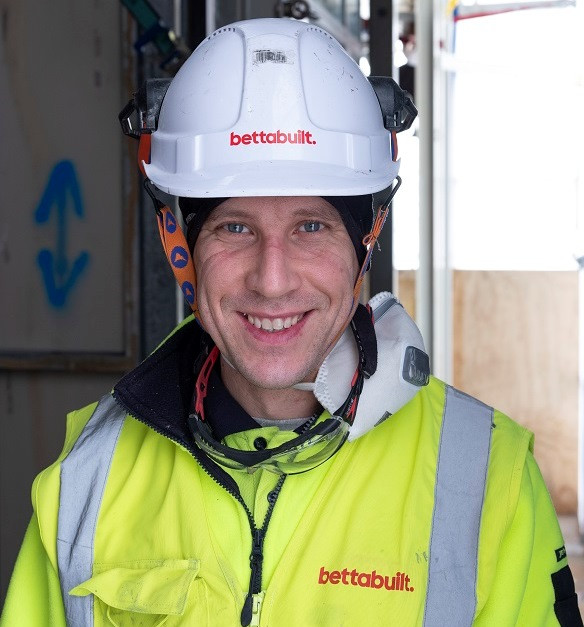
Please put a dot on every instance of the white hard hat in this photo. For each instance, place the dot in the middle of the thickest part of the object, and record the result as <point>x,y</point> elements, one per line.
<point>271,107</point>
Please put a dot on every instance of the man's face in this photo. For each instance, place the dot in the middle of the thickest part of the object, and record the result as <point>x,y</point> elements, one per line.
<point>275,280</point>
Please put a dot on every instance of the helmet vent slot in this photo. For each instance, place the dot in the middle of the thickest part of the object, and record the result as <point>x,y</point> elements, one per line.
<point>320,31</point>
<point>227,29</point>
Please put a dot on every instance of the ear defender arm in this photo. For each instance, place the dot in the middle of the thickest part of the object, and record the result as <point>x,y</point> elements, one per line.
<point>396,104</point>
<point>146,103</point>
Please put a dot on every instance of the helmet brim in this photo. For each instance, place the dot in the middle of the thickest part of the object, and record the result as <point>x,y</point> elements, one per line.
<point>273,178</point>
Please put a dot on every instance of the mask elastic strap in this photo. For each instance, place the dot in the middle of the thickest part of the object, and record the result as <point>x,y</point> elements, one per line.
<point>176,250</point>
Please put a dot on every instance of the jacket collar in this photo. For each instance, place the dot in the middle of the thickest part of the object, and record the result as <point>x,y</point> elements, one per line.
<point>159,391</point>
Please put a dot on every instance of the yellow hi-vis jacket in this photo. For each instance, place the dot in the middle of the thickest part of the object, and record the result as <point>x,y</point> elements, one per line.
<point>436,517</point>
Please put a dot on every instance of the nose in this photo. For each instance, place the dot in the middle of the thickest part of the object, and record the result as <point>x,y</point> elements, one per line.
<point>274,271</point>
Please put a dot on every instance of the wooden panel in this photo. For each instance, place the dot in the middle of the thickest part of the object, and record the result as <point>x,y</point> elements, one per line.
<point>406,290</point>
<point>515,346</point>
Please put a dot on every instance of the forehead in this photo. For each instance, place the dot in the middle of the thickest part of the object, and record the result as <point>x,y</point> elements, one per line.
<point>280,206</point>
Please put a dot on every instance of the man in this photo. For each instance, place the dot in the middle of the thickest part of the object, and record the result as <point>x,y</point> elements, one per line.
<point>284,458</point>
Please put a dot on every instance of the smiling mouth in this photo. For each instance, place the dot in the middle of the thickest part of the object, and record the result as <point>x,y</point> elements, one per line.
<point>273,325</point>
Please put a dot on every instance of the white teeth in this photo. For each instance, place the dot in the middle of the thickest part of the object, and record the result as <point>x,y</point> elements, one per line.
<point>267,325</point>
<point>255,321</point>
<point>277,324</point>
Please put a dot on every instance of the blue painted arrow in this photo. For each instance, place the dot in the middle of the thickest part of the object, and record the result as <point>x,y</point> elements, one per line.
<point>59,275</point>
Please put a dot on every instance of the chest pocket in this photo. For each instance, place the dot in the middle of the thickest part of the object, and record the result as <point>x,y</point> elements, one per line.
<point>147,593</point>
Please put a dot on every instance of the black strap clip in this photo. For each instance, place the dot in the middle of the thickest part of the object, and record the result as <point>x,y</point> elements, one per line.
<point>146,104</point>
<point>397,106</point>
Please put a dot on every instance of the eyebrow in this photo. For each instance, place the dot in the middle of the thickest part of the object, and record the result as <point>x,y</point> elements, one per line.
<point>325,212</point>
<point>320,211</point>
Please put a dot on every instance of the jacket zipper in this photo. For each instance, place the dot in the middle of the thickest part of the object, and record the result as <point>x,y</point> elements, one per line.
<point>253,601</point>
<point>252,609</point>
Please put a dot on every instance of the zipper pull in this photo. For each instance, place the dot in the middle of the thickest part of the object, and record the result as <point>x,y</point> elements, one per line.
<point>247,611</point>
<point>250,615</point>
<point>256,608</point>
<point>254,597</point>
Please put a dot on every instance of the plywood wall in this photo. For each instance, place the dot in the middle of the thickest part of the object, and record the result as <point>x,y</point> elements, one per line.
<point>515,346</point>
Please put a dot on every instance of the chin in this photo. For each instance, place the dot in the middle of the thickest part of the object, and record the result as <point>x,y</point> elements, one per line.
<point>275,378</point>
<point>274,382</point>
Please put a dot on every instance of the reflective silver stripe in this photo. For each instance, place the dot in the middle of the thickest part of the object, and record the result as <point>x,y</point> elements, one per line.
<point>83,477</point>
<point>461,476</point>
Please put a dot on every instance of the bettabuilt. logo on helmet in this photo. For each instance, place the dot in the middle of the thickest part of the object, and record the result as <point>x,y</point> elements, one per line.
<point>275,137</point>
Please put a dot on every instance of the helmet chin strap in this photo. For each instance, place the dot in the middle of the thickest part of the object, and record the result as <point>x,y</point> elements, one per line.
<point>371,238</point>
<point>369,242</point>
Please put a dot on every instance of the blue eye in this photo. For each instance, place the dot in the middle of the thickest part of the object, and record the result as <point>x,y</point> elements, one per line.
<point>236,227</point>
<point>311,227</point>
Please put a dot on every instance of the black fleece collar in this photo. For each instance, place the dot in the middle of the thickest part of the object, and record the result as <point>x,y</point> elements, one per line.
<point>159,391</point>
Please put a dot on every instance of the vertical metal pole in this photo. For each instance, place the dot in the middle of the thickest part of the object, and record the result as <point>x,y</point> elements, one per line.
<point>579,254</point>
<point>210,16</point>
<point>177,17</point>
<point>581,396</point>
<point>381,61</point>
<point>425,102</point>
<point>441,298</point>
